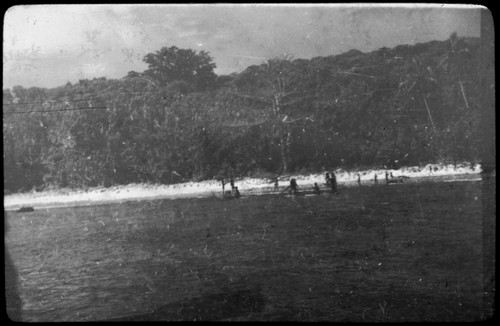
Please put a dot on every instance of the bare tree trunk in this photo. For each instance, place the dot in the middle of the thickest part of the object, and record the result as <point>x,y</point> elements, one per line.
<point>284,160</point>
<point>285,140</point>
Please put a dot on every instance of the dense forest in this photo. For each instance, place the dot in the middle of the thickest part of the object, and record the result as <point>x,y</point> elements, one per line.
<point>178,120</point>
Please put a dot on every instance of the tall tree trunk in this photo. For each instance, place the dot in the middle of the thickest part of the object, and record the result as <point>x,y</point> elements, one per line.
<point>285,139</point>
<point>284,160</point>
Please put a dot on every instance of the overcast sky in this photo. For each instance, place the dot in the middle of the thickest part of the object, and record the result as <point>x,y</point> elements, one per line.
<point>49,45</point>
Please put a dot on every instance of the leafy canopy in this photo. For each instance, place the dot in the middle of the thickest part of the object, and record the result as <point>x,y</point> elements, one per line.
<point>173,64</point>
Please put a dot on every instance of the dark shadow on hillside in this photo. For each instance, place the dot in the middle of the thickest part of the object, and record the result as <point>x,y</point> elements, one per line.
<point>12,298</point>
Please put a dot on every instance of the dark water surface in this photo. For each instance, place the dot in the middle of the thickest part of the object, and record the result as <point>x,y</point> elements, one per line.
<point>408,252</point>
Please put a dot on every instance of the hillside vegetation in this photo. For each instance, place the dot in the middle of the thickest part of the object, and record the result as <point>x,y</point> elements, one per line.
<point>178,120</point>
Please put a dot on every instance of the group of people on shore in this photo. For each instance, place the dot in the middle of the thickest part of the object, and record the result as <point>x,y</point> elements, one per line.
<point>235,193</point>
<point>293,188</point>
<point>389,178</point>
<point>330,180</point>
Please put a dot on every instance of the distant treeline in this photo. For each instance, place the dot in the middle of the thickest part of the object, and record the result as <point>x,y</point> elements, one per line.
<point>179,121</point>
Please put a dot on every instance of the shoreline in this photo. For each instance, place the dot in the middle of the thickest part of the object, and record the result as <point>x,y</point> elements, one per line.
<point>247,186</point>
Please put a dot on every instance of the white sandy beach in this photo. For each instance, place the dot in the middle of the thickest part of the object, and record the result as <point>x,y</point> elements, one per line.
<point>99,195</point>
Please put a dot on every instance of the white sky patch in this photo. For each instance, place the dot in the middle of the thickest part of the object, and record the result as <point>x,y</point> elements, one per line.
<point>52,28</point>
<point>123,11</point>
<point>119,36</point>
<point>91,69</point>
<point>126,36</point>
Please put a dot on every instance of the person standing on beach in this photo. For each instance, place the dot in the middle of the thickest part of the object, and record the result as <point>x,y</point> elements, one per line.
<point>293,186</point>
<point>231,182</point>
<point>236,193</point>
<point>223,186</point>
<point>333,183</point>
<point>316,189</point>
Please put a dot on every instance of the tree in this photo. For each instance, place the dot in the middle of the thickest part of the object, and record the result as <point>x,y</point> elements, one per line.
<point>25,137</point>
<point>277,88</point>
<point>172,64</point>
<point>353,109</point>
